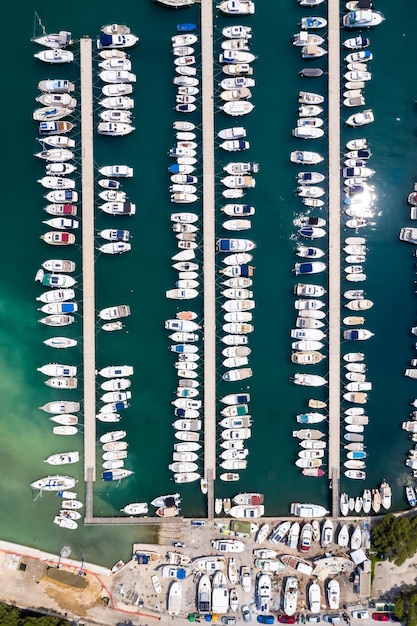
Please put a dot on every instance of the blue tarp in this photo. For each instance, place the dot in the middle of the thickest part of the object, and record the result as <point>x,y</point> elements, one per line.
<point>106,40</point>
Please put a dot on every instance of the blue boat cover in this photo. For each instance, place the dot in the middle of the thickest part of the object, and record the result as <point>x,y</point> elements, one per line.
<point>305,268</point>
<point>180,412</point>
<point>223,245</point>
<point>106,40</point>
<point>181,574</point>
<point>67,307</point>
<point>107,476</point>
<point>306,231</point>
<point>120,406</point>
<point>353,334</point>
<point>185,28</point>
<point>244,271</point>
<point>142,559</point>
<point>174,168</point>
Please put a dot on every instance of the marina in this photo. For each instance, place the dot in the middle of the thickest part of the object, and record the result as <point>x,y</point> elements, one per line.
<point>196,504</point>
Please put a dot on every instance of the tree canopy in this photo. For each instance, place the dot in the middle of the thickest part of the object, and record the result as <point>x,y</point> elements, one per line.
<point>11,616</point>
<point>395,538</point>
<point>406,607</point>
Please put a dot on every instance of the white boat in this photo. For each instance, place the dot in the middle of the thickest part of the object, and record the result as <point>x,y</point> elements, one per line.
<point>305,157</point>
<point>228,545</point>
<point>237,7</point>
<point>116,371</point>
<point>313,23</point>
<point>114,312</point>
<point>233,434</point>
<point>174,598</point>
<point>51,127</point>
<point>362,18</point>
<point>333,594</point>
<point>56,86</point>
<point>64,430</point>
<point>60,342</point>
<point>57,320</point>
<point>57,369</point>
<point>54,238</point>
<point>56,155</point>
<point>357,334</point>
<point>290,596</point>
<point>309,380</point>
<point>54,483</point>
<point>235,55</point>
<point>65,419</point>
<point>307,510</point>
<point>237,107</point>
<point>304,38</point>
<point>65,522</point>
<point>116,63</point>
<point>55,56</point>
<point>356,43</point>
<point>115,247</point>
<point>237,32</point>
<point>307,132</point>
<point>112,40</point>
<point>360,119</point>
<point>51,113</point>
<point>114,129</point>
<point>385,491</point>
<point>63,458</point>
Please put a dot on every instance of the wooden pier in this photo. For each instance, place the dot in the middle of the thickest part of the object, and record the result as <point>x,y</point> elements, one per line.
<point>209,250</point>
<point>89,312</point>
<point>334,251</point>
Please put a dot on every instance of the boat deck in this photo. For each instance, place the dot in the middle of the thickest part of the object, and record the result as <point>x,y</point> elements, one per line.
<point>334,251</point>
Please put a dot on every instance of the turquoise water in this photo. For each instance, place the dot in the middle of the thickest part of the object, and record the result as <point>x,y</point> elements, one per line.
<point>141,277</point>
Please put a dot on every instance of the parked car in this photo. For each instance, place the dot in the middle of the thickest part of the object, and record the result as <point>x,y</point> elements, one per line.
<point>246,613</point>
<point>198,522</point>
<point>332,618</point>
<point>178,544</point>
<point>228,619</point>
<point>380,617</point>
<point>313,619</point>
<point>360,614</point>
<point>265,619</point>
<point>286,619</point>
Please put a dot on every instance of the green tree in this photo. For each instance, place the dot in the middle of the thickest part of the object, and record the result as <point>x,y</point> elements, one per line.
<point>395,538</point>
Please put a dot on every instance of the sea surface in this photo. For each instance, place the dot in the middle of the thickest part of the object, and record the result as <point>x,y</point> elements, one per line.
<point>141,277</point>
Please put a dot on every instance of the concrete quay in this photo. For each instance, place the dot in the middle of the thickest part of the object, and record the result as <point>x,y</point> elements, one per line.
<point>89,312</point>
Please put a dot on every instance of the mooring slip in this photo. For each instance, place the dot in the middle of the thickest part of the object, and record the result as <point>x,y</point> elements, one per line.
<point>334,250</point>
<point>207,83</point>
<point>89,313</point>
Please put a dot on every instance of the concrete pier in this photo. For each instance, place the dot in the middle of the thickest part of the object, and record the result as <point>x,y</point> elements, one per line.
<point>334,251</point>
<point>89,313</point>
<point>208,250</point>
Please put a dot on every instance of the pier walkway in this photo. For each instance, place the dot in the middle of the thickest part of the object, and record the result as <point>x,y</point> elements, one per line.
<point>334,251</point>
<point>208,250</point>
<point>89,312</point>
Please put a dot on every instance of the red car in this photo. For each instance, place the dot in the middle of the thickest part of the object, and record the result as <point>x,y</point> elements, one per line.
<point>380,617</point>
<point>286,619</point>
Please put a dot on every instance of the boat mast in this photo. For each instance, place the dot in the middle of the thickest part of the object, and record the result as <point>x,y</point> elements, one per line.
<point>39,23</point>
